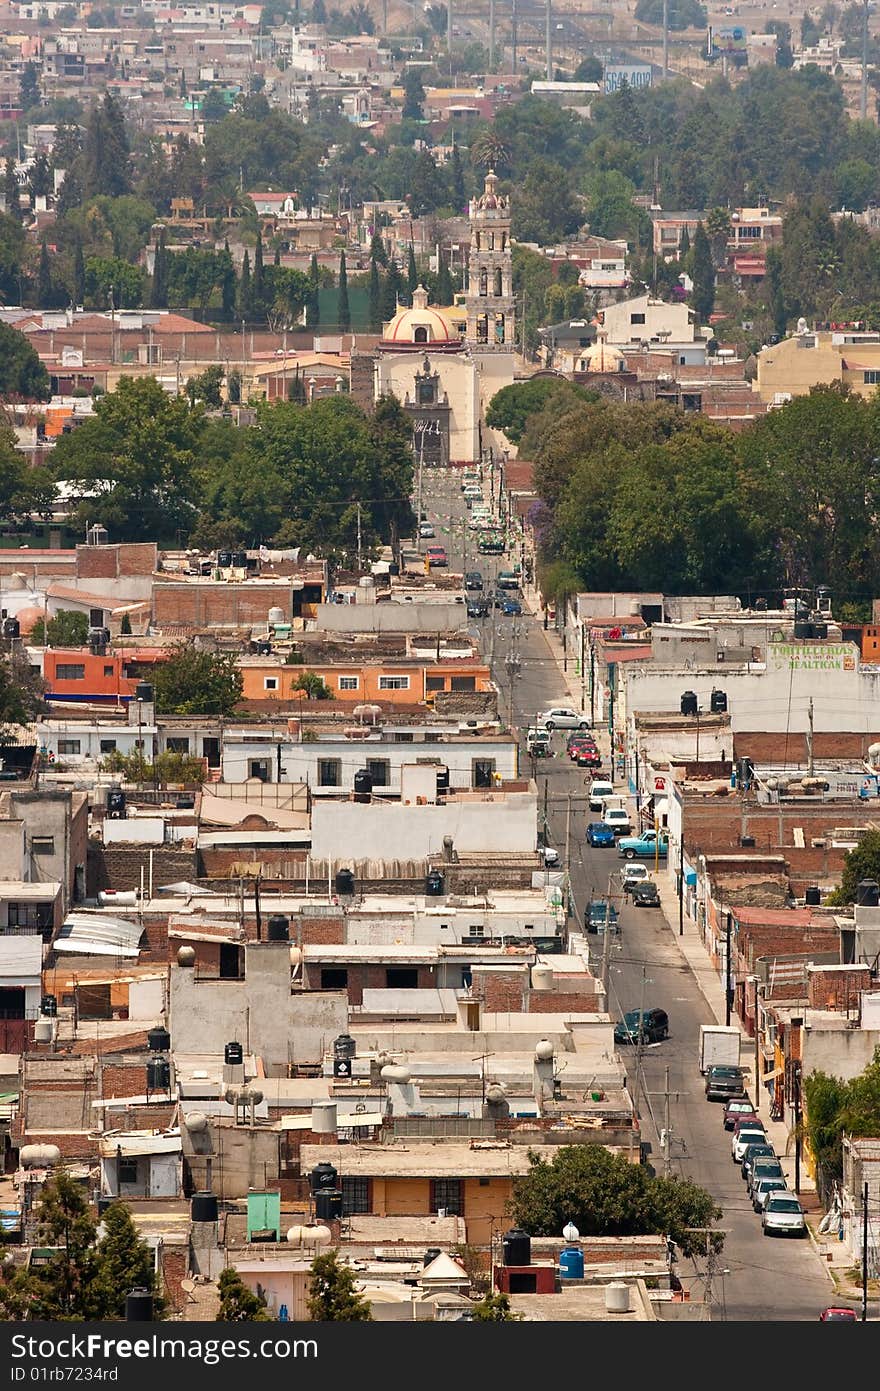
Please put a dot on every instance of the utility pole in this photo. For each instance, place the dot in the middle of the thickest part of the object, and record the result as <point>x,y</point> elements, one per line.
<point>606,944</point>
<point>810,738</point>
<point>681,874</point>
<point>548,40</point>
<point>666,1131</point>
<point>567,838</point>
<point>728,922</point>
<point>865,1252</point>
<point>359,536</point>
<point>863,103</point>
<point>797,1024</point>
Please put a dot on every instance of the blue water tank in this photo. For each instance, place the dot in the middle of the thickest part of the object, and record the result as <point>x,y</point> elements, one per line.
<point>571,1263</point>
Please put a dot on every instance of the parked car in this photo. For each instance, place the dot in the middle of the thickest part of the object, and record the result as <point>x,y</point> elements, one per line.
<point>599,789</point>
<point>599,912</point>
<point>761,1149</point>
<point>509,605</point>
<point>647,845</point>
<point>724,1081</point>
<point>576,742</point>
<point>473,582</point>
<point>478,608</point>
<point>631,874</point>
<point>508,579</point>
<point>588,756</point>
<point>436,555</point>
<point>646,895</point>
<point>783,1216</point>
<point>549,855</point>
<point>599,835</point>
<point>426,529</point>
<point>733,1109</point>
<point>653,1024</point>
<point>766,1166</point>
<point>745,1137</point>
<point>763,1186</point>
<point>538,742</point>
<point>618,819</point>
<point>837,1314</point>
<point>490,545</point>
<point>563,717</point>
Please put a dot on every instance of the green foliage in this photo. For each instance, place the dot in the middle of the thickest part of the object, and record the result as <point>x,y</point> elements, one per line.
<point>21,690</point>
<point>125,1263</point>
<point>343,312</point>
<point>238,1304</point>
<point>194,682</point>
<point>834,1108</point>
<point>512,406</point>
<point>544,209</point>
<point>314,686</point>
<point>682,14</point>
<point>125,626</point>
<point>495,1308</point>
<point>68,1287</point>
<point>131,465</point>
<point>110,278</point>
<point>862,862</point>
<point>23,489</point>
<point>413,95</point>
<point>703,275</point>
<point>168,767</point>
<point>22,374</point>
<point>332,1294</point>
<point>105,160</point>
<point>605,1195</point>
<point>67,629</point>
<point>206,387</point>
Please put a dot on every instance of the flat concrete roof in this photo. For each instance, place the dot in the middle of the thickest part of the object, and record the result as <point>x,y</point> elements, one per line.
<point>426,1160</point>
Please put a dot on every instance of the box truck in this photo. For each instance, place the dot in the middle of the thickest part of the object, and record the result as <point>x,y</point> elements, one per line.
<point>719,1044</point>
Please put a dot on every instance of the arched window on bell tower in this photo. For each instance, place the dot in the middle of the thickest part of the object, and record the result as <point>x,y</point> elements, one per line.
<point>484,281</point>
<point>499,290</point>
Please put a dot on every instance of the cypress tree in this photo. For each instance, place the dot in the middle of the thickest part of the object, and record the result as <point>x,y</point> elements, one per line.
<point>245,296</point>
<point>445,288</point>
<point>44,278</point>
<point>375,298</point>
<point>412,273</point>
<point>456,180</point>
<point>391,292</point>
<point>79,275</point>
<point>313,304</point>
<point>684,245</point>
<point>343,312</point>
<point>703,275</point>
<point>277,261</point>
<point>258,290</point>
<point>10,191</point>
<point>228,281</point>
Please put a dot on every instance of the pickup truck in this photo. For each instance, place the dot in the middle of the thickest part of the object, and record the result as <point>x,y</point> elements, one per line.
<point>648,844</point>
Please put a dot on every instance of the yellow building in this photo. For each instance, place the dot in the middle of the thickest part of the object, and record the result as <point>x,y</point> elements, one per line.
<point>807,359</point>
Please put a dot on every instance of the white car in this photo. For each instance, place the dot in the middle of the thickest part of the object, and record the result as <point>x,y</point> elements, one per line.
<point>550,856</point>
<point>633,873</point>
<point>763,1188</point>
<point>563,717</point>
<point>743,1138</point>
<point>783,1216</point>
<point>618,819</point>
<point>425,529</point>
<point>599,790</point>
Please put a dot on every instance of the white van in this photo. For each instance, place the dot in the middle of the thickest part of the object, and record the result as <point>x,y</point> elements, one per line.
<point>599,790</point>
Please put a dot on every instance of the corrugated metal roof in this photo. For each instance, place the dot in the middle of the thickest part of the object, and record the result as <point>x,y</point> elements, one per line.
<point>96,934</point>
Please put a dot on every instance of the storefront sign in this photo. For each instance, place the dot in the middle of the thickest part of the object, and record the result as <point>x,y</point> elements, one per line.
<point>826,656</point>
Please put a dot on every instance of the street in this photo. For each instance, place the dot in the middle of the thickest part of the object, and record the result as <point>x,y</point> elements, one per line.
<point>754,1277</point>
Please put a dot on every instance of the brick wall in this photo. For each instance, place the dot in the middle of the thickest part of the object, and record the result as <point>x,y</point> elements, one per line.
<point>112,562</point>
<point>218,605</point>
<point>769,748</point>
<point>502,992</point>
<point>174,1267</point>
<point>283,864</point>
<point>838,989</point>
<point>372,977</point>
<point>754,941</point>
<point>561,1002</point>
<point>119,866</point>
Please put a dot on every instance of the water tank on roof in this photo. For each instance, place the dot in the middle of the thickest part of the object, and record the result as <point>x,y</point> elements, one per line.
<point>276,615</point>
<point>324,1117</point>
<point>39,1156</point>
<point>115,803</point>
<point>443,785</point>
<point>435,884</point>
<point>812,896</point>
<point>868,893</point>
<point>203,1207</point>
<point>43,1030</point>
<point>542,977</point>
<point>158,1040</point>
<point>617,1297</point>
<point>11,628</point>
<point>278,928</point>
<point>571,1263</point>
<point>343,883</point>
<point>820,630</point>
<point>158,1075</point>
<point>139,1306</point>
<point>233,1053</point>
<point>517,1247</point>
<point>144,691</point>
<point>323,1177</point>
<point>689,703</point>
<point>431,1255</point>
<point>718,702</point>
<point>344,1046</point>
<point>239,560</point>
<point>224,559</point>
<point>328,1204</point>
<point>49,1006</point>
<point>803,630</point>
<point>363,785</point>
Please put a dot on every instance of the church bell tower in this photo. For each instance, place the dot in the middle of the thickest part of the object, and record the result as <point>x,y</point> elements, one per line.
<point>490,305</point>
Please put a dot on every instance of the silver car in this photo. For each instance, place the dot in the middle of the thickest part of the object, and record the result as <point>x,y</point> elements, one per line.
<point>783,1216</point>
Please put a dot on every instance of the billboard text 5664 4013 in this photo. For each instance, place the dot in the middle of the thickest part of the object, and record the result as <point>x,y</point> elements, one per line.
<point>633,74</point>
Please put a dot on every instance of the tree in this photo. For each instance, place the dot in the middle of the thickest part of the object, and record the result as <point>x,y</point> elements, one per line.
<point>703,275</point>
<point>413,95</point>
<point>313,313</point>
<point>206,387</point>
<point>539,217</point>
<point>125,1262</point>
<point>67,1287</point>
<point>511,407</point>
<point>159,283</point>
<point>245,297</point>
<point>258,288</point>
<point>392,289</point>
<point>456,181</point>
<point>289,292</point>
<point>21,690</point>
<point>495,1308</point>
<point>227,281</point>
<point>22,374</point>
<point>862,862</point>
<point>193,682</point>
<point>682,14</point>
<point>106,154</point>
<point>125,626</point>
<point>11,191</point>
<point>332,1294</point>
<point>40,177</point>
<point>45,289</point>
<point>835,1108</point>
<point>605,1195</point>
<point>343,312</point>
<point>23,489</point>
<point>67,629</point>
<point>79,275</point>
<point>375,298</point>
<point>131,464</point>
<point>313,686</point>
<point>238,1304</point>
<point>29,87</point>
<point>412,273</point>
<point>109,277</point>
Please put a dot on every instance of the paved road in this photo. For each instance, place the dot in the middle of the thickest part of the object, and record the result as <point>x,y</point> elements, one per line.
<point>755,1278</point>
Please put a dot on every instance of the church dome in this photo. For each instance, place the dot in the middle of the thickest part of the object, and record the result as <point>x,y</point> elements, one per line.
<point>490,200</point>
<point>601,357</point>
<point>28,618</point>
<point>420,325</point>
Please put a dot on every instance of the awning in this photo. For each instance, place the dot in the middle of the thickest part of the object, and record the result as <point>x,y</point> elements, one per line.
<point>93,934</point>
<point>690,878</point>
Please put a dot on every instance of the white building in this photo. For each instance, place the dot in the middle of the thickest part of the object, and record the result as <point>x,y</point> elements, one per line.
<point>652,323</point>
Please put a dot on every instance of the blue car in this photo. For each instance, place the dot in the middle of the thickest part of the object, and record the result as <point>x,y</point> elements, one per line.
<point>510,606</point>
<point>599,834</point>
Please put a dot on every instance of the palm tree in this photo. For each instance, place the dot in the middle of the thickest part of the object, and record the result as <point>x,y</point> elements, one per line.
<point>489,151</point>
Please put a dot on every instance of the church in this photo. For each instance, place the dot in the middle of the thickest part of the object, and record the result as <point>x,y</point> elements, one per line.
<point>445,372</point>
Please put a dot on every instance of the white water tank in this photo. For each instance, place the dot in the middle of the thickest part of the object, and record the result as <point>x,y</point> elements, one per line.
<point>196,1122</point>
<point>296,956</point>
<point>874,755</point>
<point>542,978</point>
<point>617,1297</point>
<point>39,1156</point>
<point>118,898</point>
<point>324,1117</point>
<point>394,1072</point>
<point>44,1030</point>
<point>276,615</point>
<point>543,1050</point>
<point>319,1235</point>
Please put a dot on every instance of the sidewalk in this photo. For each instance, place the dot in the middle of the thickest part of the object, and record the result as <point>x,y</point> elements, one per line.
<point>532,603</point>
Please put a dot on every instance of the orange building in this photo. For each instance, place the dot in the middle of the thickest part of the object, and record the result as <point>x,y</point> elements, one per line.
<point>78,674</point>
<point>406,682</point>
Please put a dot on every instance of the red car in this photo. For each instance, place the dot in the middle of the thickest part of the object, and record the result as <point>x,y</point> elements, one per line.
<point>578,742</point>
<point>436,555</point>
<point>834,1315</point>
<point>587,757</point>
<point>735,1109</point>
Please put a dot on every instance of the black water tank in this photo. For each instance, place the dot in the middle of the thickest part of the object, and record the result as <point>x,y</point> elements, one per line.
<point>328,1204</point>
<point>344,1046</point>
<point>803,630</point>
<point>820,630</point>
<point>115,801</point>
<point>868,893</point>
<point>224,558</point>
<point>689,703</point>
<point>203,1207</point>
<point>233,1053</point>
<point>442,782</point>
<point>11,628</point>
<point>278,928</point>
<point>49,1006</point>
<point>435,884</point>
<point>747,842</point>
<point>363,785</point>
<point>812,896</point>
<point>143,691</point>
<point>158,1040</point>
<point>158,1075</point>
<point>239,560</point>
<point>718,702</point>
<point>323,1177</point>
<point>343,883</point>
<point>431,1255</point>
<point>139,1306</point>
<point>517,1247</point>
<point>104,1201</point>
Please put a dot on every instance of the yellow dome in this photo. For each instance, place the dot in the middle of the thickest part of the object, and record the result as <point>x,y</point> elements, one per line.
<point>420,324</point>
<point>601,357</point>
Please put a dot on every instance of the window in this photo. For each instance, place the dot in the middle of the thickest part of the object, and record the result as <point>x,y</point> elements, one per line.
<point>108,670</point>
<point>270,683</point>
<point>259,768</point>
<point>476,930</point>
<point>463,683</point>
<point>334,978</point>
<point>34,915</point>
<point>127,1171</point>
<point>70,671</point>
<point>404,737</point>
<point>393,683</point>
<point>483,772</point>
<point>637,318</point>
<point>107,746</point>
<point>355,1196</point>
<point>435,683</point>
<point>448,1193</point>
<point>420,335</point>
<point>177,744</point>
<point>43,845</point>
<point>348,683</point>
<point>68,745</point>
<point>379,770</point>
<point>401,978</point>
<point>231,964</point>
<point>96,618</point>
<point>871,378</point>
<point>329,772</point>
